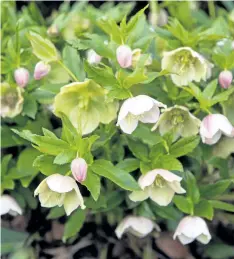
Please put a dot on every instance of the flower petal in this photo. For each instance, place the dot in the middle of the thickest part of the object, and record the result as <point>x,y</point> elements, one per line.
<point>151,116</point>
<point>9,205</point>
<point>61,184</point>
<point>161,195</point>
<point>138,196</point>
<point>128,125</point>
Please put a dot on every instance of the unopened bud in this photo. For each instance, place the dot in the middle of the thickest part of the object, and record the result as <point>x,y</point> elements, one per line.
<point>124,56</point>
<point>79,169</point>
<point>225,79</point>
<point>93,57</point>
<point>41,70</point>
<point>21,77</point>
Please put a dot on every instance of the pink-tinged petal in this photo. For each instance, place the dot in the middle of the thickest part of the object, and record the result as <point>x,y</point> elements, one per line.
<point>161,195</point>
<point>225,79</point>
<point>21,77</point>
<point>61,184</point>
<point>151,116</point>
<point>128,125</point>
<point>209,126</point>
<point>213,140</point>
<point>124,56</point>
<point>138,196</point>
<point>79,169</point>
<point>41,70</point>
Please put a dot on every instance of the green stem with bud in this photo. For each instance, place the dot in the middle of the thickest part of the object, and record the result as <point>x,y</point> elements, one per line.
<point>68,71</point>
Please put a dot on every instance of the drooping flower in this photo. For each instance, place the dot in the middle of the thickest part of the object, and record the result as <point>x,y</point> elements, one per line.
<point>9,205</point>
<point>93,57</point>
<point>186,65</point>
<point>159,185</point>
<point>85,105</point>
<point>213,126</point>
<point>158,18</point>
<point>79,169</point>
<point>59,190</point>
<point>180,120</point>
<point>225,79</point>
<point>11,100</point>
<point>124,56</point>
<point>41,70</point>
<point>191,228</point>
<point>21,77</point>
<point>138,226</point>
<point>140,108</point>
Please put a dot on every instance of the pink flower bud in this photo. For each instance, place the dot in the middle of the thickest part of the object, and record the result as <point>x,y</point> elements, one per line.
<point>225,79</point>
<point>79,169</point>
<point>41,70</point>
<point>21,77</point>
<point>93,57</point>
<point>124,56</point>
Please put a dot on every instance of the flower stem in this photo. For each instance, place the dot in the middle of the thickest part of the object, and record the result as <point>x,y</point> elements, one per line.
<point>211,8</point>
<point>68,71</point>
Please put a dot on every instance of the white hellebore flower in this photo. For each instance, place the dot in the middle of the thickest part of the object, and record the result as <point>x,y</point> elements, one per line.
<point>212,127</point>
<point>9,205</point>
<point>159,185</point>
<point>93,57</point>
<point>186,65</point>
<point>59,190</point>
<point>138,226</point>
<point>140,108</point>
<point>191,228</point>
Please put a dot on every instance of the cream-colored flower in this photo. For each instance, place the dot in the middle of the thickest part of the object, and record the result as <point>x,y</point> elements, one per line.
<point>11,100</point>
<point>9,205</point>
<point>213,126</point>
<point>140,108</point>
<point>186,65</point>
<point>180,120</point>
<point>138,226</point>
<point>59,190</point>
<point>159,185</point>
<point>85,105</point>
<point>191,228</point>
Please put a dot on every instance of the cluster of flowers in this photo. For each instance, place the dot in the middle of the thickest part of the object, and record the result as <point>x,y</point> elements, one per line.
<point>185,65</point>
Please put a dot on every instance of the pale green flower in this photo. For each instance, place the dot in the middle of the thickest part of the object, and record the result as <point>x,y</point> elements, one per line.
<point>59,190</point>
<point>180,120</point>
<point>186,65</point>
<point>11,100</point>
<point>85,105</point>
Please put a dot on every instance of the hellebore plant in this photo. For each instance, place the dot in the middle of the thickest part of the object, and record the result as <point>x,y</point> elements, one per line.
<point>140,132</point>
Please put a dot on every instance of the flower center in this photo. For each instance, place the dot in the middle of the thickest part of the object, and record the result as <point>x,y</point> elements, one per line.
<point>184,60</point>
<point>160,181</point>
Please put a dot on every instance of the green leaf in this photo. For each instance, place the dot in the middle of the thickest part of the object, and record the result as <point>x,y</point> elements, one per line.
<point>25,163</point>
<point>30,107</point>
<point>74,224</point>
<point>210,89</point>
<point>204,209</point>
<point>183,204</point>
<point>138,149</point>
<point>11,240</point>
<point>45,164</point>
<point>219,251</point>
<point>129,165</point>
<point>168,162</point>
<point>168,212</point>
<point>5,163</point>
<point>184,146</point>
<point>212,190</point>
<point>56,212</point>
<point>44,49</point>
<point>72,60</point>
<point>144,210</point>
<point>93,184</point>
<point>192,188</point>
<point>118,176</point>
<point>222,205</point>
<point>65,157</point>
